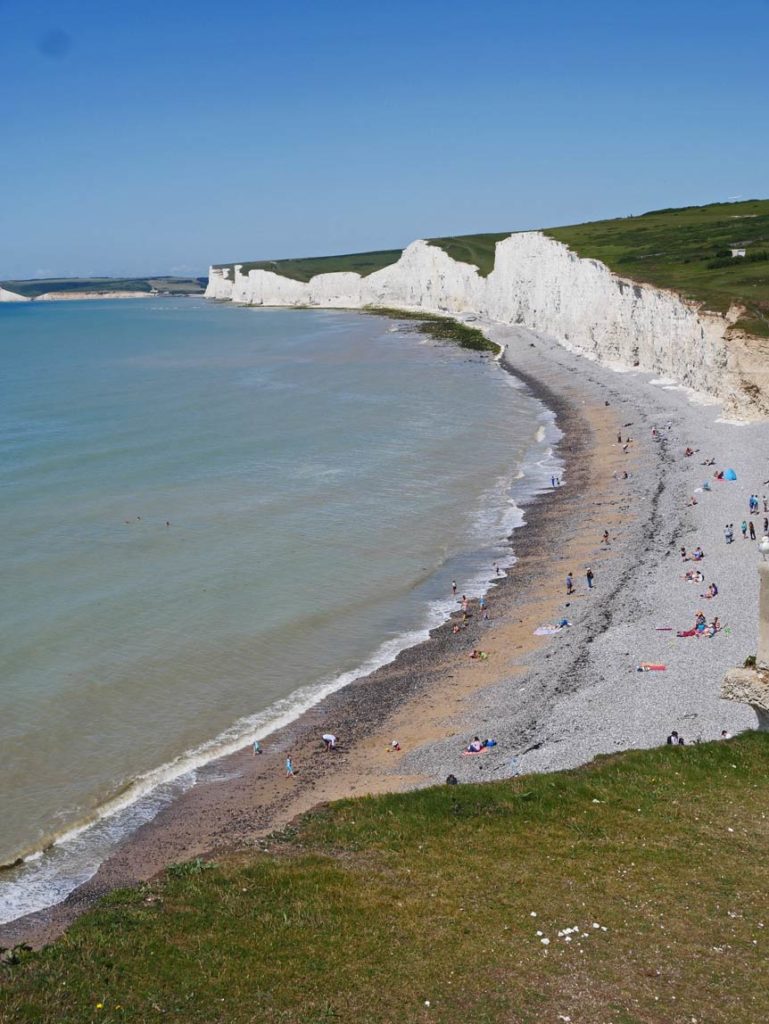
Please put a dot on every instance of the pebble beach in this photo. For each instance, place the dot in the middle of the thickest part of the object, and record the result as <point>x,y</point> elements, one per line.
<point>550,702</point>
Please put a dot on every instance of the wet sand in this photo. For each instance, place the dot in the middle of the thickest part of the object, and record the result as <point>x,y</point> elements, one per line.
<point>433,698</point>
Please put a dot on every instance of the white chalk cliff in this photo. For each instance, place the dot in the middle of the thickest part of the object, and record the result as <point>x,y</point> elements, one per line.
<point>540,284</point>
<point>7,296</point>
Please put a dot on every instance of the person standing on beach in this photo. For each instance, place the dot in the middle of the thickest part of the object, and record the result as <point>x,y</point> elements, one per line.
<point>552,481</point>
<point>289,767</point>
<point>454,587</point>
<point>483,607</point>
<point>752,530</point>
<point>569,584</point>
<point>464,603</point>
<point>589,576</point>
<point>257,748</point>
<point>744,528</point>
<point>605,538</point>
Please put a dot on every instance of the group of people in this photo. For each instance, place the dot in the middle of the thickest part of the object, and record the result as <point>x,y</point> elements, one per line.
<point>702,627</point>
<point>589,577</point>
<point>674,739</point>
<point>329,743</point>
<point>696,556</point>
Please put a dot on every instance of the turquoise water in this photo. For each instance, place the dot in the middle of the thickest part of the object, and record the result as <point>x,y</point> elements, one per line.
<point>323,478</point>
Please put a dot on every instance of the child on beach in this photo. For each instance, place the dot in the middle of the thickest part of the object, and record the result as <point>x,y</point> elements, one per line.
<point>289,768</point>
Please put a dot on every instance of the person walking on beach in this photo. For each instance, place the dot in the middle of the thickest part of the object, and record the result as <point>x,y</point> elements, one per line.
<point>589,576</point>
<point>744,528</point>
<point>484,609</point>
<point>752,530</point>
<point>257,748</point>
<point>552,481</point>
<point>729,533</point>
<point>454,587</point>
<point>289,767</point>
<point>569,584</point>
<point>605,538</point>
<point>464,603</point>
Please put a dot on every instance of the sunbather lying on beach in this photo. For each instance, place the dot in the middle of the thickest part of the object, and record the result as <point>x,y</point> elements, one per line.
<point>693,576</point>
<point>479,655</point>
<point>478,745</point>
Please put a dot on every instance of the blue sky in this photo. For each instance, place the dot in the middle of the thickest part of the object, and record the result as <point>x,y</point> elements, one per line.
<point>158,137</point>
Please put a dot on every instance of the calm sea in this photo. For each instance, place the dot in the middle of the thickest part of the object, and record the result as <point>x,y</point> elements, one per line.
<point>210,517</point>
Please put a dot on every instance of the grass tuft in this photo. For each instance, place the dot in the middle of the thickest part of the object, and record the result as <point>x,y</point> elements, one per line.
<point>441,328</point>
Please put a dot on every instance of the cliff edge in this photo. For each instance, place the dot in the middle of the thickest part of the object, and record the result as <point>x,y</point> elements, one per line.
<point>541,284</point>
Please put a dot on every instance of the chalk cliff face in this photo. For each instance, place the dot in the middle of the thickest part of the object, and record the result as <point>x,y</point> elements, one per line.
<point>6,296</point>
<point>541,284</point>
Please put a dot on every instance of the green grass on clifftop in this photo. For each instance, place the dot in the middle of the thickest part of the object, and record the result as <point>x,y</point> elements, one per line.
<point>363,263</point>
<point>477,250</point>
<point>372,908</point>
<point>687,250</point>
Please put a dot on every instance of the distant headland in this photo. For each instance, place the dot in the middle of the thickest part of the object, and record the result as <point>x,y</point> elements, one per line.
<point>60,288</point>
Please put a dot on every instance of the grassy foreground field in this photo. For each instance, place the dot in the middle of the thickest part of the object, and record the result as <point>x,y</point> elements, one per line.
<point>435,906</point>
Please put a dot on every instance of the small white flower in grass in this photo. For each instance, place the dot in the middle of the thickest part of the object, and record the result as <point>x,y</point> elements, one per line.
<point>545,942</point>
<point>427,1002</point>
<point>730,830</point>
<point>533,913</point>
<point>596,801</point>
<point>596,924</point>
<point>540,933</point>
<point>568,938</point>
<point>604,928</point>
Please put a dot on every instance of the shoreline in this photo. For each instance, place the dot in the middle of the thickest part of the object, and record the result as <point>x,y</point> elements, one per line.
<point>411,695</point>
<point>160,785</point>
<point>398,675</point>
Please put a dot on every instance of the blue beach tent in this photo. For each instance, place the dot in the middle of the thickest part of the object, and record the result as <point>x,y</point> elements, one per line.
<point>729,474</point>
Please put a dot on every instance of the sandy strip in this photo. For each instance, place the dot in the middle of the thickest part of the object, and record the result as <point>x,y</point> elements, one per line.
<point>551,702</point>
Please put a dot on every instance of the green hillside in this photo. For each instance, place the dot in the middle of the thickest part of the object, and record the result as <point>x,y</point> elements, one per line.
<point>688,250</point>
<point>168,285</point>
<point>363,263</point>
<point>374,908</point>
